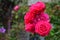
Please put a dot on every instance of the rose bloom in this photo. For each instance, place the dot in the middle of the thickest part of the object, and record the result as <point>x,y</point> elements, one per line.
<point>43,28</point>
<point>38,7</point>
<point>16,8</point>
<point>45,17</point>
<point>28,18</point>
<point>30,28</point>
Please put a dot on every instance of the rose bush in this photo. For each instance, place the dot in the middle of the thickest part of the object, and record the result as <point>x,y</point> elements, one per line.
<point>36,20</point>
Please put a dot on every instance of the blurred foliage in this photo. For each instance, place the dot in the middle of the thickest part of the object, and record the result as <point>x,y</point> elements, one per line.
<point>53,9</point>
<point>18,22</point>
<point>6,7</point>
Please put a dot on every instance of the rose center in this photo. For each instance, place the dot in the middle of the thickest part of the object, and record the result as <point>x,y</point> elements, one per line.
<point>43,28</point>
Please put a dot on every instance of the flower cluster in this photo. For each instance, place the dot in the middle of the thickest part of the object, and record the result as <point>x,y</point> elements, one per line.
<point>36,20</point>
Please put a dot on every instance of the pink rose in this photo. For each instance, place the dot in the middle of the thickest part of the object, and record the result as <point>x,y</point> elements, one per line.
<point>30,28</point>
<point>42,17</point>
<point>28,18</point>
<point>38,7</point>
<point>45,17</point>
<point>43,28</point>
<point>16,8</point>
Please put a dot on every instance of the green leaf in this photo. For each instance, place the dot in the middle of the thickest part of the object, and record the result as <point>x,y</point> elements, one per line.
<point>52,32</point>
<point>16,16</point>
